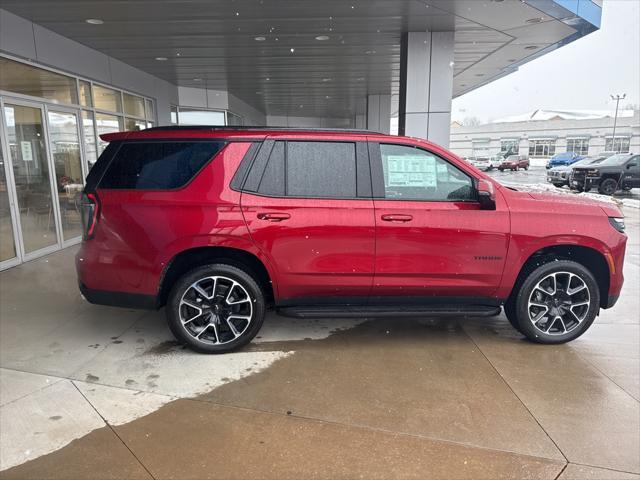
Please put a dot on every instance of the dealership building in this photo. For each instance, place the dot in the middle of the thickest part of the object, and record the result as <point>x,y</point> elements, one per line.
<point>71,71</point>
<point>542,133</point>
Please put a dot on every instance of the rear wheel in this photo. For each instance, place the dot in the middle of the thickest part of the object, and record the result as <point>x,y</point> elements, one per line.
<point>608,186</point>
<point>557,302</point>
<point>216,308</point>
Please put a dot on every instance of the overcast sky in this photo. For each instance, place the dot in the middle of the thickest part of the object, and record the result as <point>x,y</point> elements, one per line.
<point>580,75</point>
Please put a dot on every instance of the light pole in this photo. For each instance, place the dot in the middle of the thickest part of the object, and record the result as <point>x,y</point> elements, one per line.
<point>617,98</point>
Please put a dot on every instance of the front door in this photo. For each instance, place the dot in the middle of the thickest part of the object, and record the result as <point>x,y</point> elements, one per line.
<point>308,207</point>
<point>432,238</point>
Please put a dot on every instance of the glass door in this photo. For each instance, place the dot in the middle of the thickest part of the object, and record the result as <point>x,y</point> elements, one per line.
<point>64,145</point>
<point>8,252</point>
<point>25,135</point>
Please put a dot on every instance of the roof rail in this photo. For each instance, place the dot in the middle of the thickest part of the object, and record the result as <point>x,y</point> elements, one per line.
<point>259,128</point>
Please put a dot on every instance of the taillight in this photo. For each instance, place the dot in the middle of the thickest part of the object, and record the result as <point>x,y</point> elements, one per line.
<point>89,211</point>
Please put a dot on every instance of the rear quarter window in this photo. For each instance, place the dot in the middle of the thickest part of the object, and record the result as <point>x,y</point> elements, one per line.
<point>157,165</point>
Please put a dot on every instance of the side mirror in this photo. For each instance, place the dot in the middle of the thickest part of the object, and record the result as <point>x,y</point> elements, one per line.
<point>486,195</point>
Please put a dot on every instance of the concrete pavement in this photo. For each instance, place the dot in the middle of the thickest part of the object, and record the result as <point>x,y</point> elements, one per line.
<point>98,392</point>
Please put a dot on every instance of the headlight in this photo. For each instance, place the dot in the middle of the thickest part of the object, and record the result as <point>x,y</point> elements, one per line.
<point>594,172</point>
<point>617,223</point>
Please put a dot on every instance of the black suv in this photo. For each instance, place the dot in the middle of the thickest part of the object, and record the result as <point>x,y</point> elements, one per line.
<point>619,172</point>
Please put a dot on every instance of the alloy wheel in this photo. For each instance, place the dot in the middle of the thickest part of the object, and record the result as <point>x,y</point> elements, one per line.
<point>216,310</point>
<point>559,303</point>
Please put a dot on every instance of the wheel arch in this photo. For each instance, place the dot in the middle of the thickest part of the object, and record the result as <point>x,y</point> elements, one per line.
<point>588,257</point>
<point>191,258</point>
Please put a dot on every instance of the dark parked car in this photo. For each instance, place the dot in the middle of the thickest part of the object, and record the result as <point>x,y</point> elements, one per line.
<point>514,162</point>
<point>619,172</point>
<point>219,224</point>
<point>561,176</point>
<point>565,158</point>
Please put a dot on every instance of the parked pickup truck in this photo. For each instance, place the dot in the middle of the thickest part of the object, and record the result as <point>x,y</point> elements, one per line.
<point>619,172</point>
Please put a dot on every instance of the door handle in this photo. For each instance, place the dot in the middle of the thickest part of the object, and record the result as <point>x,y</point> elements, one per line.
<point>397,218</point>
<point>273,217</point>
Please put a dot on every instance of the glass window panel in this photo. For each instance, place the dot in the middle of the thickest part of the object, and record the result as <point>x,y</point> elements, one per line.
<point>200,117</point>
<point>321,169</point>
<point>174,115</point>
<point>414,174</point>
<point>85,94</point>
<point>31,174</point>
<point>134,125</point>
<point>151,114</point>
<point>7,242</point>
<point>233,119</point>
<point>157,165</point>
<point>90,153</point>
<point>133,105</point>
<point>37,82</point>
<point>107,99</point>
<point>106,124</point>
<point>65,149</point>
<point>510,145</point>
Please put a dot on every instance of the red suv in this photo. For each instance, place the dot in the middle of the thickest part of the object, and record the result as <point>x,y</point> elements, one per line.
<point>219,224</point>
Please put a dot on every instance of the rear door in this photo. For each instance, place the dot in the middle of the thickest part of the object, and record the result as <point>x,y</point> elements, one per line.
<point>631,174</point>
<point>432,238</point>
<point>308,206</point>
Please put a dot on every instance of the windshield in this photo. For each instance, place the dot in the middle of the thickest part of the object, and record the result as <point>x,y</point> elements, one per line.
<point>616,160</point>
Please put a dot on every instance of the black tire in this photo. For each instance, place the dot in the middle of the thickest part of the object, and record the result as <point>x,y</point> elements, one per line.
<point>249,292</point>
<point>579,189</point>
<point>588,314</point>
<point>558,185</point>
<point>510,312</point>
<point>608,186</point>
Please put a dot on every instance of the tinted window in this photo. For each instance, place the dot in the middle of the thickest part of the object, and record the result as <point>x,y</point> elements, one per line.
<point>414,174</point>
<point>157,165</point>
<point>272,182</point>
<point>321,169</point>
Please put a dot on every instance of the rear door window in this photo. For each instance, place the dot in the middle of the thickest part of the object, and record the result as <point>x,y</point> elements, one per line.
<point>158,165</point>
<point>321,169</point>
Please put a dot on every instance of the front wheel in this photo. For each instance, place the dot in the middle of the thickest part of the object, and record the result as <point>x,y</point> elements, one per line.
<point>608,187</point>
<point>557,302</point>
<point>216,308</point>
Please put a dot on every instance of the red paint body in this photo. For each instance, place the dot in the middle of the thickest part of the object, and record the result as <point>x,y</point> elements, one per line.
<point>338,248</point>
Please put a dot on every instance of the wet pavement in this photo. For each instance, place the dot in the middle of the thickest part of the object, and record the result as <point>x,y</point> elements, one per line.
<point>98,392</point>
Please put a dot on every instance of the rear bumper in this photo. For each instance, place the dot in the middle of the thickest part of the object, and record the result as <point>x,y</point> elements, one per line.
<point>118,299</point>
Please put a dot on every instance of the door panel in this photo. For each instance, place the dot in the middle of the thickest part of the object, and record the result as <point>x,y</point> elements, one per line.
<point>323,248</point>
<point>432,238</point>
<point>31,172</point>
<point>7,241</point>
<point>320,247</point>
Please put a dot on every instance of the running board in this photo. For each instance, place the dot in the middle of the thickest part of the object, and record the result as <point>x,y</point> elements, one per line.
<point>356,311</point>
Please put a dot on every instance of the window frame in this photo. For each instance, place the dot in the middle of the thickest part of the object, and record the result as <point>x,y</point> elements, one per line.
<point>377,174</point>
<point>582,141</point>
<point>259,162</point>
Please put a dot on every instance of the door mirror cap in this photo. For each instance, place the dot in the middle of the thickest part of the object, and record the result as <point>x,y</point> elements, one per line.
<point>486,194</point>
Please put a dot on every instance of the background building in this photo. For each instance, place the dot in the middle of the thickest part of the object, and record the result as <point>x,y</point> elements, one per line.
<point>543,133</point>
<point>71,71</point>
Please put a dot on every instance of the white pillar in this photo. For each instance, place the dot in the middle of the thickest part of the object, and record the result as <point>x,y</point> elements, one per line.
<point>379,113</point>
<point>426,86</point>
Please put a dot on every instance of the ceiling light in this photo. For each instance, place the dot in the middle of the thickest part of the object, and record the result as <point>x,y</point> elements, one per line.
<point>327,79</point>
<point>360,79</point>
<point>161,59</point>
<point>292,50</point>
<point>94,21</point>
<point>531,47</point>
<point>268,79</point>
<point>369,52</point>
<point>322,38</point>
<point>260,39</point>
<point>327,96</point>
<point>178,54</point>
<point>197,79</point>
<point>534,20</point>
